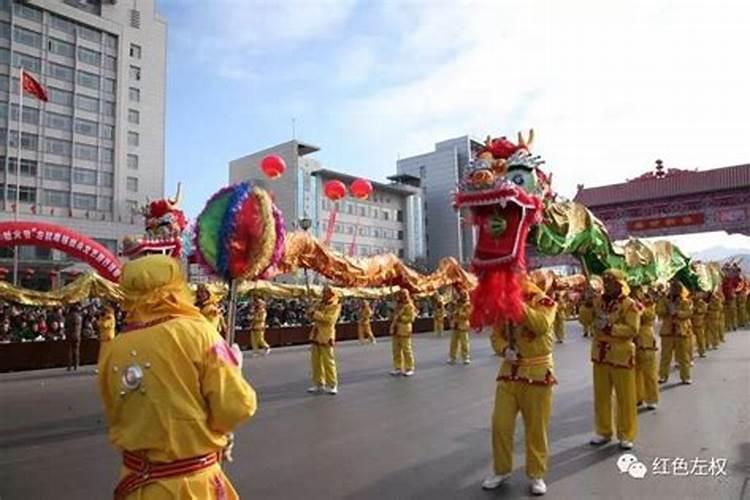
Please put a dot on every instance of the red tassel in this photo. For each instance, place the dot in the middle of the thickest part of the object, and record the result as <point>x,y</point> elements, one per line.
<point>498,297</point>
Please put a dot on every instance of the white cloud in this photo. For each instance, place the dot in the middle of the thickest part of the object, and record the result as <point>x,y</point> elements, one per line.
<point>609,86</point>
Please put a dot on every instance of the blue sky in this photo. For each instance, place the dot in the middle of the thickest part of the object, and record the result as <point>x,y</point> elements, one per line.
<point>608,87</point>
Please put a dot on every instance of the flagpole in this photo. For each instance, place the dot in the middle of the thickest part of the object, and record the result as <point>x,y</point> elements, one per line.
<point>18,170</point>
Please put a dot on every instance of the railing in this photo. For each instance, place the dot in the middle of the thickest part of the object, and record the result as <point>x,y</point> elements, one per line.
<point>20,356</point>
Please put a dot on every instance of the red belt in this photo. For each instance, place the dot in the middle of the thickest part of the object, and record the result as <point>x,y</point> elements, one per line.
<point>145,472</point>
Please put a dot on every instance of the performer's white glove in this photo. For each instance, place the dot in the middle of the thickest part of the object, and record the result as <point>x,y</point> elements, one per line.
<point>237,354</point>
<point>226,453</point>
<point>510,354</point>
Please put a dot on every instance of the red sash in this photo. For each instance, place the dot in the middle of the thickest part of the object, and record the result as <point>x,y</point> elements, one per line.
<point>145,472</point>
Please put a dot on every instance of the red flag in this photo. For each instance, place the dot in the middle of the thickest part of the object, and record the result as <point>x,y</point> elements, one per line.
<point>33,87</point>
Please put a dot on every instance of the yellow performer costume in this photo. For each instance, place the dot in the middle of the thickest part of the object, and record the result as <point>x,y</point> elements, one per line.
<point>586,313</point>
<point>618,321</point>
<point>646,367</point>
<point>460,336</point>
<point>364,325</point>
<point>524,384</point>
<point>730,313</point>
<point>172,389</point>
<point>438,316</point>
<point>323,339</point>
<point>208,303</point>
<point>560,316</point>
<point>698,323</point>
<point>675,312</point>
<point>714,321</point>
<point>742,298</point>
<point>107,323</point>
<point>401,329</point>
<point>258,327</point>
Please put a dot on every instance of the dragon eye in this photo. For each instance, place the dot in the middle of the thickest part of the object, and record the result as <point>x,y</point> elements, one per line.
<point>519,179</point>
<point>522,178</point>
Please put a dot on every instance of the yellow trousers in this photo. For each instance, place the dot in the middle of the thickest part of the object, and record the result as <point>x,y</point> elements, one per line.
<point>622,380</point>
<point>586,329</point>
<point>258,340</point>
<point>535,404</point>
<point>700,338</point>
<point>207,483</point>
<point>403,355</point>
<point>559,329</point>
<point>691,346</point>
<point>680,348</point>
<point>730,315</point>
<point>646,376</point>
<point>438,325</point>
<point>741,316</point>
<point>712,333</point>
<point>364,333</point>
<point>460,345</point>
<point>324,365</point>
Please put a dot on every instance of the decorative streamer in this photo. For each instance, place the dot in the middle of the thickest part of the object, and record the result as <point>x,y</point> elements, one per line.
<point>331,224</point>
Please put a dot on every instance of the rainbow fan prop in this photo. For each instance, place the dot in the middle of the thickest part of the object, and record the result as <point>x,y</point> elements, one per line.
<point>239,235</point>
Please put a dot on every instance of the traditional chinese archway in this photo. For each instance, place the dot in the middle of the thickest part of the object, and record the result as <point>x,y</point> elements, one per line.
<point>64,239</point>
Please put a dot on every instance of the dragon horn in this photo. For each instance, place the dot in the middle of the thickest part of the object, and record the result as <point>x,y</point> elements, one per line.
<point>526,143</point>
<point>177,196</point>
<point>521,142</point>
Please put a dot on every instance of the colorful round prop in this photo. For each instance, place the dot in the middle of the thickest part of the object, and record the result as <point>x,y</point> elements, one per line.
<point>334,190</point>
<point>273,166</point>
<point>361,189</point>
<point>240,233</point>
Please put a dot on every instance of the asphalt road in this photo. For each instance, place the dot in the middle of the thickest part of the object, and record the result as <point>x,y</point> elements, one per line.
<point>397,438</point>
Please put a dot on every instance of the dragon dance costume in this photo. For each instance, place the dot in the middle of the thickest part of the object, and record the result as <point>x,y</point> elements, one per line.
<point>323,340</point>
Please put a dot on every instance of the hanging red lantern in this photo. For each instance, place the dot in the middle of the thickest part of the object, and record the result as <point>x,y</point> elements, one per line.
<point>361,189</point>
<point>273,166</point>
<point>334,190</point>
<point>28,271</point>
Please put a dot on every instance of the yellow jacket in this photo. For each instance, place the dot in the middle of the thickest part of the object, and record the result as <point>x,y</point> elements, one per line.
<point>715,307</point>
<point>324,323</point>
<point>676,324</point>
<point>616,325</point>
<point>439,312</point>
<point>586,314</point>
<point>106,326</point>
<point>700,310</point>
<point>258,320</point>
<point>403,318</point>
<point>365,314</point>
<point>646,339</point>
<point>463,311</point>
<point>532,340</point>
<point>191,393</point>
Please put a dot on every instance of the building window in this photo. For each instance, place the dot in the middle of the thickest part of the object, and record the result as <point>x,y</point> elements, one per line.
<point>61,24</point>
<point>58,96</point>
<point>135,51</point>
<point>109,108</point>
<point>60,72</point>
<point>28,167</point>
<point>87,127</point>
<point>109,86</point>
<point>84,176</point>
<point>134,94</point>
<point>89,56</point>
<point>108,156</point>
<point>386,215</point>
<point>33,64</point>
<point>133,162</point>
<point>89,34</point>
<point>28,12</point>
<point>401,235</point>
<point>25,195</point>
<point>56,172</point>
<point>27,37</point>
<point>133,139</point>
<point>60,48</point>
<point>363,211</point>
<point>399,216</point>
<point>132,206</point>
<point>4,30</point>
<point>132,184</point>
<point>28,141</point>
<point>84,201</point>
<point>85,103</point>
<point>135,73</point>
<point>85,152</point>
<point>30,115</point>
<point>58,121</point>
<point>105,203</point>
<point>54,198</point>
<point>110,41</point>
<point>110,63</point>
<point>108,132</point>
<point>106,179</point>
<point>134,116</point>
<point>88,80</point>
<point>57,146</point>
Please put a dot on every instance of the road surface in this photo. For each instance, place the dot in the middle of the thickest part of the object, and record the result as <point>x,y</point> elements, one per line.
<point>425,437</point>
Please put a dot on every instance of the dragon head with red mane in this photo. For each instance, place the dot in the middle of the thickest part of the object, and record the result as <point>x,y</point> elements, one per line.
<point>504,190</point>
<point>165,223</point>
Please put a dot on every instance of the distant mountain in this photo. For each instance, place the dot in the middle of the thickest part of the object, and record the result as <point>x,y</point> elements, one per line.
<point>723,254</point>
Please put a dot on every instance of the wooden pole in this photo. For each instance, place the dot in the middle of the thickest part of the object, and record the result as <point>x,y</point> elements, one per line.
<point>231,312</point>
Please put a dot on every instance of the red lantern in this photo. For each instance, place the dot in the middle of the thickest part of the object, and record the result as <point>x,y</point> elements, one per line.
<point>334,190</point>
<point>29,271</point>
<point>361,189</point>
<point>273,166</point>
<point>53,273</point>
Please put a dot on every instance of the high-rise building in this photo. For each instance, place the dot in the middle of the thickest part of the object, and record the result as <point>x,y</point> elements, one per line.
<point>390,220</point>
<point>90,156</point>
<point>448,232</point>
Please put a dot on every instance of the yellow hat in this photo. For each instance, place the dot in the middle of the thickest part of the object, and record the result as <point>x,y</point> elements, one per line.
<point>620,277</point>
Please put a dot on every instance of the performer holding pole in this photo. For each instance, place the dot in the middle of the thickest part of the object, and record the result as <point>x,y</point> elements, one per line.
<point>170,361</point>
<point>460,335</point>
<point>323,339</point>
<point>364,325</point>
<point>675,311</point>
<point>258,327</point>
<point>401,329</point>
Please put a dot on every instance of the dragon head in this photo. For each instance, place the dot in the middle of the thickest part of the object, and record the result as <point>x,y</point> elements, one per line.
<point>504,190</point>
<point>165,223</point>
